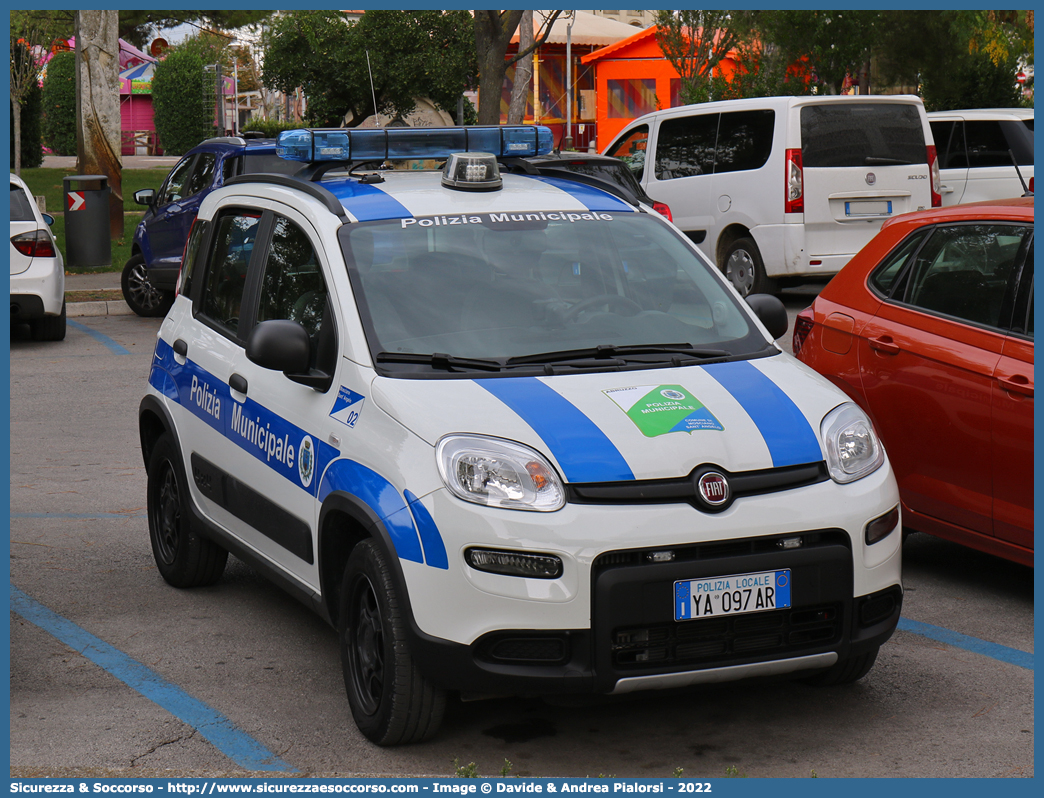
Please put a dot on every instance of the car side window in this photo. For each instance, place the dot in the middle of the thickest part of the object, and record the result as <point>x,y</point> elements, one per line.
<point>987,145</point>
<point>685,146</point>
<point>202,175</point>
<point>966,271</point>
<point>744,140</point>
<point>226,277</point>
<point>887,274</point>
<point>631,150</point>
<point>292,284</point>
<point>174,187</point>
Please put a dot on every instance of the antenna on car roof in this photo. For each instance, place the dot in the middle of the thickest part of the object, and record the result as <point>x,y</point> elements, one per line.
<point>373,94</point>
<point>1025,189</point>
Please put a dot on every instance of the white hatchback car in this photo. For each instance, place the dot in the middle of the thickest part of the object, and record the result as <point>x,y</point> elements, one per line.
<point>984,153</point>
<point>37,268</point>
<point>509,433</point>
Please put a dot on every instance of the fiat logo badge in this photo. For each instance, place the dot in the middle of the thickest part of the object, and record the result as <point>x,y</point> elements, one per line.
<point>714,488</point>
<point>871,178</point>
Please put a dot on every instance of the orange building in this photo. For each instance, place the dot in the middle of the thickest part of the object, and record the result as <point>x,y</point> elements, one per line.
<point>632,78</point>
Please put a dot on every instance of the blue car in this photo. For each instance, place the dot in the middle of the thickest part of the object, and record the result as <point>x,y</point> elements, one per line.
<point>151,273</point>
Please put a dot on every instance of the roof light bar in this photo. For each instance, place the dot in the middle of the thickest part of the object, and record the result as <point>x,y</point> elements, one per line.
<point>504,141</point>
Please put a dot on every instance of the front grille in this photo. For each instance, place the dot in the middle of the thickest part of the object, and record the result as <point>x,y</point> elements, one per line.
<point>702,642</point>
<point>723,548</point>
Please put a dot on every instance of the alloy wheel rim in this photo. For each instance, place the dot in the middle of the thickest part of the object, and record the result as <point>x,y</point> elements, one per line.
<point>141,288</point>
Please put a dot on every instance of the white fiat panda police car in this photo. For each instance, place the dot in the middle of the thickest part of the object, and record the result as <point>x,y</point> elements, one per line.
<point>508,433</point>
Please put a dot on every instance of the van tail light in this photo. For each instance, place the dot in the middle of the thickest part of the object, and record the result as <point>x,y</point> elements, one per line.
<point>933,171</point>
<point>664,209</point>
<point>34,244</point>
<point>802,327</point>
<point>795,183</point>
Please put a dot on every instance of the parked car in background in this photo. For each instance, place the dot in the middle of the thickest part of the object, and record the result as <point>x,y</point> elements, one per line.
<point>151,272</point>
<point>600,168</point>
<point>37,268</point>
<point>930,329</point>
<point>779,190</point>
<point>978,151</point>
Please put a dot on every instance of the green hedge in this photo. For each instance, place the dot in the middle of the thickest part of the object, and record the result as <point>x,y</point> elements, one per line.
<point>180,90</point>
<point>270,127</point>
<point>59,104</point>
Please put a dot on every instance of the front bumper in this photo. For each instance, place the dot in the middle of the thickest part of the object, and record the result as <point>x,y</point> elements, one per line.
<point>607,625</point>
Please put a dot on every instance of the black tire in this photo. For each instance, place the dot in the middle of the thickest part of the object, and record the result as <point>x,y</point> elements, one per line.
<point>139,292</point>
<point>845,671</point>
<point>745,269</point>
<point>391,701</point>
<point>49,328</point>
<point>183,558</point>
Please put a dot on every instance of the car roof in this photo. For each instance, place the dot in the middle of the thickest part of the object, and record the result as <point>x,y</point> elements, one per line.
<point>1020,208</point>
<point>234,143</point>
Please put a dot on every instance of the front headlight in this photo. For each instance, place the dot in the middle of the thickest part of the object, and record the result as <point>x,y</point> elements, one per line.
<point>498,473</point>
<point>852,447</point>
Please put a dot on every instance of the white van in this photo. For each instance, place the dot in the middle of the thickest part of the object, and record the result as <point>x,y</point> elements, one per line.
<point>784,189</point>
<point>977,152</point>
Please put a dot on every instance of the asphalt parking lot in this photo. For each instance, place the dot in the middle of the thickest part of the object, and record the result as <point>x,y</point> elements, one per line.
<point>243,678</point>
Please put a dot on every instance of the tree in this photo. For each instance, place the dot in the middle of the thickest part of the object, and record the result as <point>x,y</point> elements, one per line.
<point>523,72</point>
<point>405,53</point>
<point>182,101</point>
<point>24,79</point>
<point>59,104</point>
<point>32,152</point>
<point>493,32</point>
<point>98,106</point>
<point>973,82</point>
<point>695,42</point>
<point>138,27</point>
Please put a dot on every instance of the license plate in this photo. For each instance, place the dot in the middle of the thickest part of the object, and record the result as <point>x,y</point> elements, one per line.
<point>881,208</point>
<point>731,595</point>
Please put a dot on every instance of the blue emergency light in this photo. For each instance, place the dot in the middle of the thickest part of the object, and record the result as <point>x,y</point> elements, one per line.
<point>510,141</point>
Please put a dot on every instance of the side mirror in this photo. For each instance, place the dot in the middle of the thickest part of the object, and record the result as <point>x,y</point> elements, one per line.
<point>283,345</point>
<point>48,218</point>
<point>280,345</point>
<point>771,312</point>
<point>145,196</point>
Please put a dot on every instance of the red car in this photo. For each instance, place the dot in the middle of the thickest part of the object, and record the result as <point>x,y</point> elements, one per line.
<point>930,330</point>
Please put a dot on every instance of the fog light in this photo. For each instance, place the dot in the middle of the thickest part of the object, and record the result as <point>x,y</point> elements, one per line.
<point>882,527</point>
<point>514,563</point>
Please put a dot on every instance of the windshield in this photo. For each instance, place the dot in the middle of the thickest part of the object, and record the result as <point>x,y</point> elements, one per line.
<point>513,290</point>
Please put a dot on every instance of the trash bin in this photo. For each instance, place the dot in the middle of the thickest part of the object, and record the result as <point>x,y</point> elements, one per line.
<point>87,239</point>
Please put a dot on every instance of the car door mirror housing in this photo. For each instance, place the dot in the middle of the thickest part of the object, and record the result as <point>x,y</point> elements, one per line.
<point>771,312</point>
<point>280,345</point>
<point>145,196</point>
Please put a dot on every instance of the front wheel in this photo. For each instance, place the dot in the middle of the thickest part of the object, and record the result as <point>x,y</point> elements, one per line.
<point>139,292</point>
<point>183,558</point>
<point>745,269</point>
<point>391,701</point>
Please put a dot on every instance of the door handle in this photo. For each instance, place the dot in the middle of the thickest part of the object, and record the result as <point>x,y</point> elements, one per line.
<point>180,347</point>
<point>1017,384</point>
<point>238,383</point>
<point>885,345</point>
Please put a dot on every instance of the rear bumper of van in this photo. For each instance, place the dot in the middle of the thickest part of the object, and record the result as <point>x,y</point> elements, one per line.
<point>784,253</point>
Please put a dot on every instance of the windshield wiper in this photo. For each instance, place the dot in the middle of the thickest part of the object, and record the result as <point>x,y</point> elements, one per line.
<point>440,361</point>
<point>610,352</point>
<point>870,160</point>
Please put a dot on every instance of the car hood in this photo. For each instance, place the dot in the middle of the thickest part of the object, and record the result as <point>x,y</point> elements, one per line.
<point>648,424</point>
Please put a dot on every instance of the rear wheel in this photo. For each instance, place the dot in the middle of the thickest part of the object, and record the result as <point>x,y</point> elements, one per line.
<point>391,701</point>
<point>49,328</point>
<point>183,558</point>
<point>139,292</point>
<point>845,671</point>
<point>745,269</point>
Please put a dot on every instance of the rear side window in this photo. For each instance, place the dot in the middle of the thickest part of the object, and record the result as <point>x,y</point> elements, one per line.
<point>21,210</point>
<point>631,150</point>
<point>885,276</point>
<point>685,146</point>
<point>252,163</point>
<point>861,134</point>
<point>744,140</point>
<point>989,142</point>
